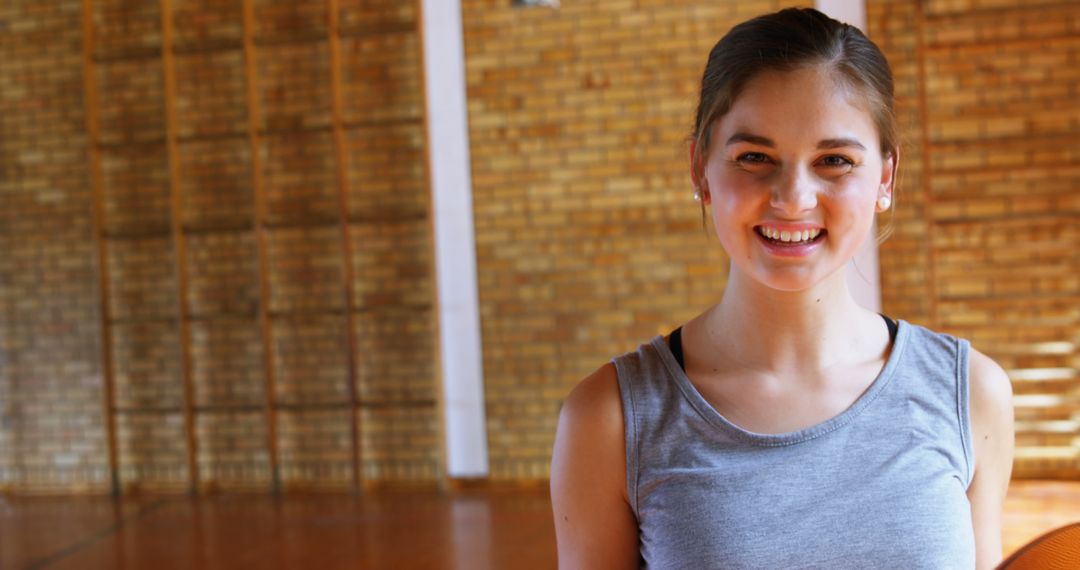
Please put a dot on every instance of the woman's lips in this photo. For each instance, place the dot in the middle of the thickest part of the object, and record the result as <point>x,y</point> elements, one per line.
<point>792,247</point>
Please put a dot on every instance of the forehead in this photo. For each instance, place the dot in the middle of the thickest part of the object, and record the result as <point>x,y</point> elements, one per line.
<point>810,103</point>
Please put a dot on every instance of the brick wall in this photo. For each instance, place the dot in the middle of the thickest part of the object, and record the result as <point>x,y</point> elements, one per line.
<point>52,418</point>
<point>997,152</point>
<point>903,259</point>
<point>51,430</point>
<point>588,241</point>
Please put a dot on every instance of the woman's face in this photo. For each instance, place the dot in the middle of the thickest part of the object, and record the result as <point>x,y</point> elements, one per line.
<point>793,177</point>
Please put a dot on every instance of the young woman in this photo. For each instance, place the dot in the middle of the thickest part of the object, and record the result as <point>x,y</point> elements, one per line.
<point>786,426</point>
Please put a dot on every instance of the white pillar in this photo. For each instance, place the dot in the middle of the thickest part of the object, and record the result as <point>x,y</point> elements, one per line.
<point>455,247</point>
<point>848,11</point>
<point>863,274</point>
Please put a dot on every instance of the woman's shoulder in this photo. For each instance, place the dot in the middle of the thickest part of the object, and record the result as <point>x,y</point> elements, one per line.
<point>928,349</point>
<point>923,333</point>
<point>988,387</point>
<point>979,364</point>
<point>599,395</point>
<point>590,432</point>
<point>990,392</point>
<point>595,401</point>
<point>594,524</point>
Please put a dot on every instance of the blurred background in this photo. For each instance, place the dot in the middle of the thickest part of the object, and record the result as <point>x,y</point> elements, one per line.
<point>220,254</point>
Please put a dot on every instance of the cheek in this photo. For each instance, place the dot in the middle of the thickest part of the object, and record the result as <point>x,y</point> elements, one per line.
<point>735,190</point>
<point>853,205</point>
<point>857,199</point>
<point>733,208</point>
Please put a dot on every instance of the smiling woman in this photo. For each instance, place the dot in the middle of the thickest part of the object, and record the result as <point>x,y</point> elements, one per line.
<point>787,426</point>
<point>800,154</point>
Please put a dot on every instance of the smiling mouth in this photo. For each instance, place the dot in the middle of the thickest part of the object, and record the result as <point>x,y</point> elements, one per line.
<point>790,238</point>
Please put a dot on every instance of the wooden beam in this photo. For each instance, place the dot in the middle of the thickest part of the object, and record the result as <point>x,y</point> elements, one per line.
<point>90,109</point>
<point>176,198</point>
<point>338,123</point>
<point>258,191</point>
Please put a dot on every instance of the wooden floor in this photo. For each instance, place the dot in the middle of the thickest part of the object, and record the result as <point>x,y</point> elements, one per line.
<point>388,529</point>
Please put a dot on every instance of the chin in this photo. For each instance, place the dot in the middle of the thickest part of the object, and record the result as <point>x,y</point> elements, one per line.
<point>790,280</point>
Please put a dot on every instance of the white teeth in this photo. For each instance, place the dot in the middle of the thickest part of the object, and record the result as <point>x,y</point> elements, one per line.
<point>789,236</point>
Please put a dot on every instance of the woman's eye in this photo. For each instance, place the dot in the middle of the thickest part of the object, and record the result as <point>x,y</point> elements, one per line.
<point>836,161</point>
<point>753,158</point>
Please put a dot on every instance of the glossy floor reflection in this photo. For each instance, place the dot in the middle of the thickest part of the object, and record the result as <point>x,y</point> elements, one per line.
<point>471,529</point>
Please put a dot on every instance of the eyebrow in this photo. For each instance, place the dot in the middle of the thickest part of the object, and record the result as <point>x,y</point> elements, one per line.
<point>753,139</point>
<point>839,143</point>
<point>765,141</point>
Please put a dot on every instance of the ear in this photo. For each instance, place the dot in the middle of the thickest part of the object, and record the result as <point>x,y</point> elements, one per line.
<point>889,167</point>
<point>701,184</point>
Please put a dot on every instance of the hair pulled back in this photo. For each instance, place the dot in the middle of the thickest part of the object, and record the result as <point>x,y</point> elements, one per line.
<point>784,41</point>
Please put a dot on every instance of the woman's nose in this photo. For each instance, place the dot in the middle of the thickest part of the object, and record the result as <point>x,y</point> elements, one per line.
<point>795,192</point>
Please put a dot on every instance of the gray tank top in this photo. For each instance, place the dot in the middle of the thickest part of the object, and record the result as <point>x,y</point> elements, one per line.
<point>881,485</point>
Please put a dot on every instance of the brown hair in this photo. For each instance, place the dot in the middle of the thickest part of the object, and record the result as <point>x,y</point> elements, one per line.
<point>784,41</point>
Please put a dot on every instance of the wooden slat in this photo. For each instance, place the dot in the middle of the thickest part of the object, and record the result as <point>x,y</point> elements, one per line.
<point>258,189</point>
<point>1048,426</point>
<point>1047,401</point>
<point>98,203</point>
<point>1067,453</point>
<point>338,121</point>
<point>179,242</point>
<point>1058,374</point>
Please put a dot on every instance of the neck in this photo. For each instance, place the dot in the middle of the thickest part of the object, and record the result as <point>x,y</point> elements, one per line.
<point>767,329</point>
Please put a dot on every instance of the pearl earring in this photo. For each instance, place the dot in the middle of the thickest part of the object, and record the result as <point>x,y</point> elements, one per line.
<point>883,203</point>
<point>697,195</point>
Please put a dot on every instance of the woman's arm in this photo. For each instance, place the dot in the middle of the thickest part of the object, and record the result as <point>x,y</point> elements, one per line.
<point>594,526</point>
<point>992,435</point>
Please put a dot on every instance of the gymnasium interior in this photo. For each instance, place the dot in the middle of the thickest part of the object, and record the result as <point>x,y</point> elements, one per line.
<point>305,283</point>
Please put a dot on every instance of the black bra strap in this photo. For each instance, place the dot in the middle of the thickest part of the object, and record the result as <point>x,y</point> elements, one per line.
<point>676,340</point>
<point>676,347</point>
<point>892,326</point>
